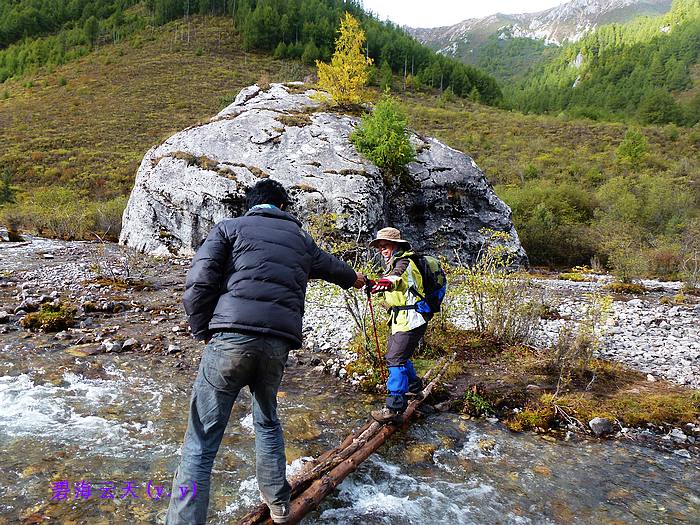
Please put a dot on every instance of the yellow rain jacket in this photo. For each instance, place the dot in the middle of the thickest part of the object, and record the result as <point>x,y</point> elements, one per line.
<point>403,274</point>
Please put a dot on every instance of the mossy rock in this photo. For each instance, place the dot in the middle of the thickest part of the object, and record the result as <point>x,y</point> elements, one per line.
<point>50,318</point>
<point>574,277</point>
<point>626,288</point>
<point>538,418</point>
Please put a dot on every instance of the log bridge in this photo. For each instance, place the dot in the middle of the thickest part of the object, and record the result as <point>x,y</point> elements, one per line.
<point>323,474</point>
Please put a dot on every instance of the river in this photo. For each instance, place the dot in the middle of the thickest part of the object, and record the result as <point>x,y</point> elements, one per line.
<point>114,423</point>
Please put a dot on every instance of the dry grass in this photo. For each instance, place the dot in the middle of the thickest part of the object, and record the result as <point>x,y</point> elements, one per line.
<point>519,377</point>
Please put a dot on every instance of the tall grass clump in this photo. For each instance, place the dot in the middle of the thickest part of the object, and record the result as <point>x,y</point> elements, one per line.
<point>63,213</point>
<point>503,303</point>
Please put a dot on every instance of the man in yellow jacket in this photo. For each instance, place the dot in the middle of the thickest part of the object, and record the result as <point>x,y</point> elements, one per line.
<point>408,325</point>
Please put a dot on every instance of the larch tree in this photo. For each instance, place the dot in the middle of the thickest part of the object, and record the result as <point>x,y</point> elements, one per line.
<point>347,74</point>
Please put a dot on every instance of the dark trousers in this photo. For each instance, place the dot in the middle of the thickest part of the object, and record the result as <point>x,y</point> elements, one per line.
<point>402,375</point>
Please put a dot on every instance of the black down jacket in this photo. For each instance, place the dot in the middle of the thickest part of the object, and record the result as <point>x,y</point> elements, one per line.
<point>251,273</point>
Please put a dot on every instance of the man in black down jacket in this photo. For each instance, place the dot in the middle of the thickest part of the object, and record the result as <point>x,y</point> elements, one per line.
<point>244,296</point>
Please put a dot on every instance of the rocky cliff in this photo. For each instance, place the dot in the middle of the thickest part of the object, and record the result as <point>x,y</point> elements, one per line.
<point>199,176</point>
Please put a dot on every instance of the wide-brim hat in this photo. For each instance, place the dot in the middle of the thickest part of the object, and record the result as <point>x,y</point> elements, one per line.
<point>389,234</point>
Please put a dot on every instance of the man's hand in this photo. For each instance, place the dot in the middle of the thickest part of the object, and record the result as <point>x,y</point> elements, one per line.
<point>382,285</point>
<point>359,280</point>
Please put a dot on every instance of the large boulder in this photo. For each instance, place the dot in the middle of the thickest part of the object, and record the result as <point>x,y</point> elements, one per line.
<point>199,176</point>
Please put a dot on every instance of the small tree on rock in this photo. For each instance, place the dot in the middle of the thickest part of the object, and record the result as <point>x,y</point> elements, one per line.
<point>383,139</point>
<point>348,72</point>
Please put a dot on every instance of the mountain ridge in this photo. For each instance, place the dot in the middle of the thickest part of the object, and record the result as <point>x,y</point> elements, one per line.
<point>555,26</point>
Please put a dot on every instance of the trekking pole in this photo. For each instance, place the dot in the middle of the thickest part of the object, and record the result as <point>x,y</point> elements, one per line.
<point>374,325</point>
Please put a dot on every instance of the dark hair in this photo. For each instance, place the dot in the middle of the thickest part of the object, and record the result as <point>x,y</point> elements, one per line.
<point>267,191</point>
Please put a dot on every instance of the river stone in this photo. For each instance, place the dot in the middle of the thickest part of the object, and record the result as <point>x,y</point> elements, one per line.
<point>487,445</point>
<point>199,176</point>
<point>678,435</point>
<point>111,346</point>
<point>129,344</point>
<point>420,453</point>
<point>600,426</point>
<point>84,350</point>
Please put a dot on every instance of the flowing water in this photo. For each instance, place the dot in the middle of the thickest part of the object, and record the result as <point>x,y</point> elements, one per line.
<point>114,424</point>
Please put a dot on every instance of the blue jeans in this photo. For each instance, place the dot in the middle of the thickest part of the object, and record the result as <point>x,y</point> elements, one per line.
<point>231,361</point>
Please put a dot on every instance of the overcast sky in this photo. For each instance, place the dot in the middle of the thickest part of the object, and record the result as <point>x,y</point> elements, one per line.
<point>435,13</point>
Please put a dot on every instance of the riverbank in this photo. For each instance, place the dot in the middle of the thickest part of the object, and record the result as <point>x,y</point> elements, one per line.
<point>120,302</point>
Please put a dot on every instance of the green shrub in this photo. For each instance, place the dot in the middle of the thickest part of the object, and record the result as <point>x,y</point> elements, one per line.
<point>636,213</point>
<point>311,53</point>
<point>633,148</point>
<point>63,213</point>
<point>475,404</point>
<point>62,81</point>
<point>58,211</point>
<point>530,172</point>
<point>446,97</point>
<point>280,51</point>
<point>503,304</point>
<point>7,192</point>
<point>625,256</point>
<point>383,139</point>
<point>552,221</point>
<point>105,218</point>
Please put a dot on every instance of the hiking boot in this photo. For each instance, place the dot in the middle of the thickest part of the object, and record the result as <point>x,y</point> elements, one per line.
<point>279,513</point>
<point>387,415</point>
<point>415,389</point>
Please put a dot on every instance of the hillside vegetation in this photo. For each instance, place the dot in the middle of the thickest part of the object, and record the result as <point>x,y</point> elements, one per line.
<point>574,186</point>
<point>302,29</point>
<point>636,71</point>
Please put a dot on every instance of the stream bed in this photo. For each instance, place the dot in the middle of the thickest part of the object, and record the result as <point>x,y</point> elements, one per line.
<point>113,425</point>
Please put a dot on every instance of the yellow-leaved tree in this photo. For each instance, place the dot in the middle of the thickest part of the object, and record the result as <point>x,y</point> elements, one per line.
<point>347,74</point>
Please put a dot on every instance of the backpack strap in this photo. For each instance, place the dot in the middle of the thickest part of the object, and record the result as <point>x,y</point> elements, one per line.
<point>415,292</point>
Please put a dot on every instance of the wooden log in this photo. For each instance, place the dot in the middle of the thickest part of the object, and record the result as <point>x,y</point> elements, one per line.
<point>320,488</point>
<point>310,487</point>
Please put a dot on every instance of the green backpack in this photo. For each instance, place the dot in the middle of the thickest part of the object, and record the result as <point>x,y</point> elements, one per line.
<point>434,284</point>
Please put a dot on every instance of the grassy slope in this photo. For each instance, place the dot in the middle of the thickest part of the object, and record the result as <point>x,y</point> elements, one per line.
<point>503,143</point>
<point>125,98</point>
<point>120,101</point>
